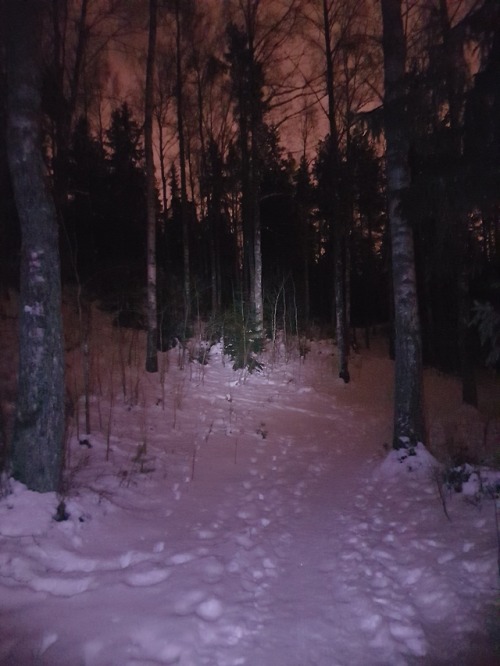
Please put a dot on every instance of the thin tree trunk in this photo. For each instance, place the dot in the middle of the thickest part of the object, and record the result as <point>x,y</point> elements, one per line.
<point>255,178</point>
<point>182,166</point>
<point>67,106</point>
<point>337,223</point>
<point>307,297</point>
<point>163,171</point>
<point>454,65</point>
<point>408,393</point>
<point>257,273</point>
<point>469,385</point>
<point>152,308</point>
<point>38,437</point>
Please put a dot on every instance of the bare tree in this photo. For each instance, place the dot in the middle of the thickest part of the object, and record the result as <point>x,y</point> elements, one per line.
<point>256,33</point>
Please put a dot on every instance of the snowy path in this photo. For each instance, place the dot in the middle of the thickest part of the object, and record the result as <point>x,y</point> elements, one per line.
<point>256,534</point>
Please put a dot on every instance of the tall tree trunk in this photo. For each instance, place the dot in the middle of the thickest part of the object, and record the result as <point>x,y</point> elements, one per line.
<point>205,207</point>
<point>408,394</point>
<point>38,437</point>
<point>336,221</point>
<point>152,308</point>
<point>182,165</point>
<point>455,65</point>
<point>254,173</point>
<point>258,302</point>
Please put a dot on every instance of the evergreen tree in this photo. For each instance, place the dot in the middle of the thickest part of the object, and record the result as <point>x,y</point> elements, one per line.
<point>87,205</point>
<point>123,237</point>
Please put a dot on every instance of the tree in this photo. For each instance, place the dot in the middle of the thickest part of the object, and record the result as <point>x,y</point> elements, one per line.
<point>122,237</point>
<point>61,87</point>
<point>408,394</point>
<point>152,314</point>
<point>38,437</point>
<point>339,231</point>
<point>247,86</point>
<point>86,210</point>
<point>180,17</point>
<point>304,199</point>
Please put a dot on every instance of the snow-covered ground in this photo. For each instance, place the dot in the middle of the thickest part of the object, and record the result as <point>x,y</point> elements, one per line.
<point>223,519</point>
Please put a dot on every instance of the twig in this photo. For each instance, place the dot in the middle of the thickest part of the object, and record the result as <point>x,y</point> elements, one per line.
<point>437,479</point>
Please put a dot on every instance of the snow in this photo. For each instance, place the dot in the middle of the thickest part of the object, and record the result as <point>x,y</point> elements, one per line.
<point>218,518</point>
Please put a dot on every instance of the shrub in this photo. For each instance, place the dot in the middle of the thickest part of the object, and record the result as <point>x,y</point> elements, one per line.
<point>242,342</point>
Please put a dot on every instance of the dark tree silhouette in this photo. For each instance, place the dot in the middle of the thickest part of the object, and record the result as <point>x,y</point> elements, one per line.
<point>123,235</point>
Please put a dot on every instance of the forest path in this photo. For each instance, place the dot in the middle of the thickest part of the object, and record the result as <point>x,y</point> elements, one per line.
<point>239,520</point>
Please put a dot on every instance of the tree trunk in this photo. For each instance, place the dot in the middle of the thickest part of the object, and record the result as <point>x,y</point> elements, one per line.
<point>152,309</point>
<point>455,64</point>
<point>258,303</point>
<point>465,350</point>
<point>182,166</point>
<point>337,222</point>
<point>38,437</point>
<point>68,98</point>
<point>408,393</point>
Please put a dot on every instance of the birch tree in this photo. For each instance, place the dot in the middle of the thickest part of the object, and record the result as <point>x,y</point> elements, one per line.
<point>152,314</point>
<point>256,32</point>
<point>38,437</point>
<point>408,393</point>
<point>339,232</point>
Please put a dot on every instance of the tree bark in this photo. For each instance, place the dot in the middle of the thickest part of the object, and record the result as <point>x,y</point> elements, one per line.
<point>408,393</point>
<point>182,164</point>
<point>152,309</point>
<point>455,65</point>
<point>38,437</point>
<point>336,221</point>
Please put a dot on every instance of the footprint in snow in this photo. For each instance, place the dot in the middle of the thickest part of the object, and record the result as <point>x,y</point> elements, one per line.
<point>212,570</point>
<point>188,603</point>
<point>205,535</point>
<point>147,578</point>
<point>182,558</point>
<point>209,610</point>
<point>61,587</point>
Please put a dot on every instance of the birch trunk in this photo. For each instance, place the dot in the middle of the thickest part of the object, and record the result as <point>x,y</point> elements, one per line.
<point>152,308</point>
<point>408,392</point>
<point>337,223</point>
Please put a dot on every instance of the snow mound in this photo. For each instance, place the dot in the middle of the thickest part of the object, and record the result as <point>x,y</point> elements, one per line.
<point>416,461</point>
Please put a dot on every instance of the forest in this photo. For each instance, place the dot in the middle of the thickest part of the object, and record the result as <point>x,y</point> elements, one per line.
<point>310,167</point>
